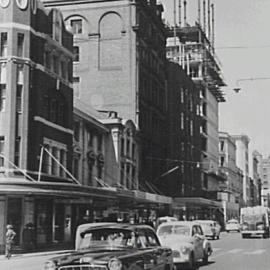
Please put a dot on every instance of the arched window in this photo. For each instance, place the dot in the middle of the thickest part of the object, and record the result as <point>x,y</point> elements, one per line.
<point>110,43</point>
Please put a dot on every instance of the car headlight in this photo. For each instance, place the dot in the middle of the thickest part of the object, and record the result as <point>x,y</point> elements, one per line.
<point>184,250</point>
<point>114,264</point>
<point>50,265</point>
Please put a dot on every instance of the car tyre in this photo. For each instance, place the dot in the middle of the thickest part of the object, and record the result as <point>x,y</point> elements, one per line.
<point>218,236</point>
<point>205,258</point>
<point>191,263</point>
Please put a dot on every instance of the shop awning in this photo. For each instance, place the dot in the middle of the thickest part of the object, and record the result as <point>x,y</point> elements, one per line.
<point>196,202</point>
<point>146,197</point>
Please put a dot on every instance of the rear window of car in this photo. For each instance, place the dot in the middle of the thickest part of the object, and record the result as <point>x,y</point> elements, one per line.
<point>174,229</point>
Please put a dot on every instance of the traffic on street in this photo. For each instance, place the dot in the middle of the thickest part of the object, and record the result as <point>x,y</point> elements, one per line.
<point>229,252</point>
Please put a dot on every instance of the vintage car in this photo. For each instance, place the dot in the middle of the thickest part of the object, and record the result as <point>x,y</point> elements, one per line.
<point>187,241</point>
<point>211,228</point>
<point>232,225</point>
<point>114,246</point>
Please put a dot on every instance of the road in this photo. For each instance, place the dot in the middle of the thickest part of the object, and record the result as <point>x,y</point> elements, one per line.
<point>231,252</point>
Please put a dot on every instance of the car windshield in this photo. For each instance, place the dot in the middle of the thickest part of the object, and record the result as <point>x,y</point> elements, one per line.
<point>107,237</point>
<point>174,229</point>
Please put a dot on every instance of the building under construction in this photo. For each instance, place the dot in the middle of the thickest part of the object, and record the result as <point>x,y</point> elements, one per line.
<point>192,47</point>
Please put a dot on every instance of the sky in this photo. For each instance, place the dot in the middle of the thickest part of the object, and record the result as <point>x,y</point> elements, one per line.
<point>242,41</point>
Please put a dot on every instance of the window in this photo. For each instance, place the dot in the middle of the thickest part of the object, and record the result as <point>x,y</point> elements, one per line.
<point>63,162</point>
<point>20,41</point>
<point>54,163</point>
<point>76,86</point>
<point>76,26</point>
<point>57,26</point>
<point>182,121</point>
<point>76,53</point>
<point>191,128</point>
<point>77,130</point>
<point>53,111</point>
<point>222,145</point>
<point>47,59</point>
<point>17,151</point>
<point>3,45</point>
<point>2,146</point>
<point>222,160</point>
<point>182,96</point>
<point>2,87</point>
<point>64,72</point>
<point>55,64</point>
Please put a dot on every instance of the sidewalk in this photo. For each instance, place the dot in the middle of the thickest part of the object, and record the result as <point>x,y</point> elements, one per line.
<point>36,254</point>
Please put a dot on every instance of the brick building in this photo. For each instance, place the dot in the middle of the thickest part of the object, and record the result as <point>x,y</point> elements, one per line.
<point>120,66</point>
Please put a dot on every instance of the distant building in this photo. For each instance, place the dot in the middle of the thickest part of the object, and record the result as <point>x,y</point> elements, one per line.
<point>233,186</point>
<point>242,161</point>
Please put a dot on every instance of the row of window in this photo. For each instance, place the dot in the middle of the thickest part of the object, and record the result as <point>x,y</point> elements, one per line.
<point>54,110</point>
<point>50,165</point>
<point>56,64</point>
<point>4,44</point>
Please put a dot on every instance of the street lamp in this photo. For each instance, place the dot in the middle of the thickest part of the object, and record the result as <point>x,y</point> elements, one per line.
<point>237,89</point>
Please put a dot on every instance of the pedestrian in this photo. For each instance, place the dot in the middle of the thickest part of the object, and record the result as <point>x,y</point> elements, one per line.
<point>9,240</point>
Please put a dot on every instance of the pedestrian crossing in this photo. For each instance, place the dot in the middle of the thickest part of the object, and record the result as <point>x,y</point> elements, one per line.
<point>238,251</point>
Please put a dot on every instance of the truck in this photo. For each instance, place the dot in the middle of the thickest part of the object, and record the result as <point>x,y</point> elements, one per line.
<point>255,221</point>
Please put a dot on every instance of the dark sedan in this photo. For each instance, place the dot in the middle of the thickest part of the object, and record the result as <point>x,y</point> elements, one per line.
<point>114,246</point>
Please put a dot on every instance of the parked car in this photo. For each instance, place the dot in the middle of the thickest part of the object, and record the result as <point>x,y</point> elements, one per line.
<point>187,242</point>
<point>114,246</point>
<point>161,220</point>
<point>211,228</point>
<point>233,225</point>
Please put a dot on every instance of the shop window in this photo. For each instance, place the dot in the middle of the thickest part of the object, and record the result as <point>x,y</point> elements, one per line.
<point>3,44</point>
<point>20,44</point>
<point>14,217</point>
<point>76,25</point>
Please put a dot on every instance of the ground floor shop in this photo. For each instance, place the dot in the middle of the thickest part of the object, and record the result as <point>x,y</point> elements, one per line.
<point>46,216</point>
<point>193,208</point>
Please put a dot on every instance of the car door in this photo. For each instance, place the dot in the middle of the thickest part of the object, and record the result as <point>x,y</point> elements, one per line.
<point>201,239</point>
<point>195,242</point>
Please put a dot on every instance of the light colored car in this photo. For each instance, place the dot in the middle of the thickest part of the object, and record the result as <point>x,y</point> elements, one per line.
<point>232,225</point>
<point>211,228</point>
<point>186,240</point>
<point>164,219</point>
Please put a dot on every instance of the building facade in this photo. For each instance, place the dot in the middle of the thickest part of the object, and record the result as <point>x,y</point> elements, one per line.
<point>242,161</point>
<point>231,190</point>
<point>119,65</point>
<point>35,121</point>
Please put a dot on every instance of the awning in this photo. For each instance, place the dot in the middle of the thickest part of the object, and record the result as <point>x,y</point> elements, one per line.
<point>196,202</point>
<point>146,197</point>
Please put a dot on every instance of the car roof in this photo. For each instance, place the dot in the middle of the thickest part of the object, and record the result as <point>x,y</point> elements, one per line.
<point>173,223</point>
<point>112,225</point>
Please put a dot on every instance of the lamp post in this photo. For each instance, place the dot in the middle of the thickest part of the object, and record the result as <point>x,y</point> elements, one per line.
<point>237,88</point>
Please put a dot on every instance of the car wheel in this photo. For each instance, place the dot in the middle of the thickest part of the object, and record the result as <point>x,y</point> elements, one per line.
<point>217,236</point>
<point>205,258</point>
<point>191,263</point>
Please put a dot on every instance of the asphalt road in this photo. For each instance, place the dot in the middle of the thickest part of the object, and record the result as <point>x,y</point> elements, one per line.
<point>231,252</point>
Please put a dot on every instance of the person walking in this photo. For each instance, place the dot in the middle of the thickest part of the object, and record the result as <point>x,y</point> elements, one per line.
<point>9,240</point>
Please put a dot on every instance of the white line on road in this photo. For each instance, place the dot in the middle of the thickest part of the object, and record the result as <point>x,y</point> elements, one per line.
<point>255,252</point>
<point>236,250</point>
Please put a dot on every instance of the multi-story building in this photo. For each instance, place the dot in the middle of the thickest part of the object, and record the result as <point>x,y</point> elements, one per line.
<point>242,161</point>
<point>191,49</point>
<point>256,181</point>
<point>119,65</point>
<point>36,104</point>
<point>184,133</point>
<point>231,189</point>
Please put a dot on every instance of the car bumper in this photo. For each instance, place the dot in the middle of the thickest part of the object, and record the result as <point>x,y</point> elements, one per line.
<point>259,232</point>
<point>179,257</point>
